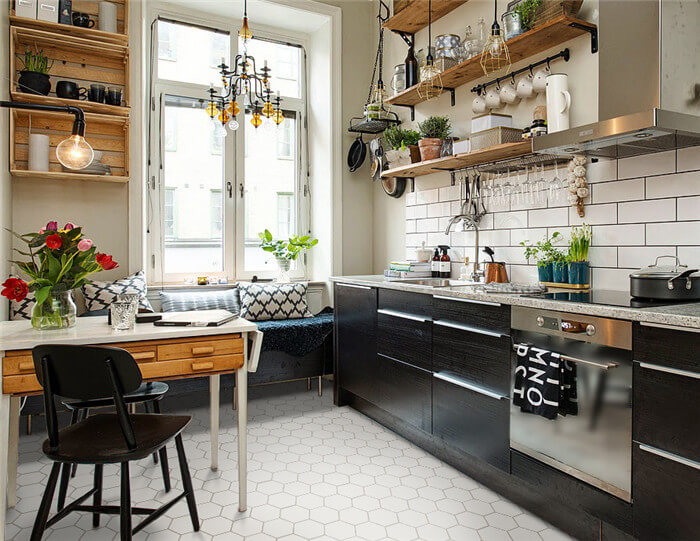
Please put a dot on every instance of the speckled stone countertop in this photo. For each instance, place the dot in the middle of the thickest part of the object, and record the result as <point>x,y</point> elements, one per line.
<point>682,315</point>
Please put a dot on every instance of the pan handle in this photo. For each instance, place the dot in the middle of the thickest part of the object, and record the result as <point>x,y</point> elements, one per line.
<point>685,274</point>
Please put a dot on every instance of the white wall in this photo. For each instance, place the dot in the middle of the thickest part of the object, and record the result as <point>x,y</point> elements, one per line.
<point>5,181</point>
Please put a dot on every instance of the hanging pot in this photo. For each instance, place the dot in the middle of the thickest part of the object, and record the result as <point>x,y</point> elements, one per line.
<point>393,186</point>
<point>666,282</point>
<point>33,82</point>
<point>357,154</point>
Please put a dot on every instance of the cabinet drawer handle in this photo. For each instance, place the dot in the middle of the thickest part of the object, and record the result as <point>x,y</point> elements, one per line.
<point>143,355</point>
<point>402,315</point>
<point>455,380</point>
<point>669,456</point>
<point>26,365</point>
<point>202,350</point>
<point>453,325</point>
<point>675,371</point>
<point>471,301</point>
<point>354,286</point>
<point>202,366</point>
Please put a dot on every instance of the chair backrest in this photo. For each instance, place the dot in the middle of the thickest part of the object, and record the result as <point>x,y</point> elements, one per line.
<point>86,373</point>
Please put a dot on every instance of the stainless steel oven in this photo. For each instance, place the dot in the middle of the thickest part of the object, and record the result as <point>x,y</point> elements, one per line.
<point>595,445</point>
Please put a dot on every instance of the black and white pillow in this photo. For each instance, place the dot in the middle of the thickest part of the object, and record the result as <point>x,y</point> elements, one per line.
<point>22,309</point>
<point>99,295</point>
<point>261,302</point>
<point>196,300</point>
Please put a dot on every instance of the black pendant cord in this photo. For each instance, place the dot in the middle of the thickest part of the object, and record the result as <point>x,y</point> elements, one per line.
<point>245,8</point>
<point>429,58</point>
<point>77,112</point>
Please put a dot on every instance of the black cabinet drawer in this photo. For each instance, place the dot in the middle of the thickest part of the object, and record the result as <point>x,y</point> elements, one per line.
<point>666,495</point>
<point>669,347</point>
<point>405,392</point>
<point>473,420</point>
<point>405,337</point>
<point>480,357</point>
<point>485,315</point>
<point>356,307</point>
<point>403,301</point>
<point>667,409</point>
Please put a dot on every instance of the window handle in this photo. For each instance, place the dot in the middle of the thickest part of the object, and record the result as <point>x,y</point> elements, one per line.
<point>229,189</point>
<point>241,189</point>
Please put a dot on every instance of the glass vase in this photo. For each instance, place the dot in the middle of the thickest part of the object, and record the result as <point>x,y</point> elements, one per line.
<point>283,267</point>
<point>58,311</point>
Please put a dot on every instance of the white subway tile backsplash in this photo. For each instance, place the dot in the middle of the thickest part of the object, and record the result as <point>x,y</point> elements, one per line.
<point>618,235</point>
<point>594,215</point>
<point>527,235</point>
<point>510,220</point>
<point>436,210</point>
<point>647,165</point>
<point>603,256</point>
<point>688,159</point>
<point>678,233</point>
<point>427,196</point>
<point>523,274</point>
<point>410,226</point>
<point>434,239</point>
<point>610,278</point>
<point>676,185</point>
<point>427,225</point>
<point>601,171</point>
<point>653,210</point>
<point>448,193</point>
<point>413,240</point>
<point>641,256</point>
<point>689,208</point>
<point>462,238</point>
<point>418,211</point>
<point>618,190</point>
<point>411,199</point>
<point>548,217</point>
<point>689,255</point>
<point>495,237</point>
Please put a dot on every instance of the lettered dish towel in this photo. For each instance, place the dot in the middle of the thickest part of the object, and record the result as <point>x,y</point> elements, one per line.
<point>545,384</point>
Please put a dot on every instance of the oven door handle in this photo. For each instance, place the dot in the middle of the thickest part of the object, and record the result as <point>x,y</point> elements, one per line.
<point>602,366</point>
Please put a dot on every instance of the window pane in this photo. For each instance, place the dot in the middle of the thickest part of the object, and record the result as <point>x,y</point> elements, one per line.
<point>193,176</point>
<point>190,54</point>
<point>270,181</point>
<point>284,62</point>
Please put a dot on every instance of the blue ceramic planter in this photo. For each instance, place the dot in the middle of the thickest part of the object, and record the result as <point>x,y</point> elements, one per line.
<point>544,272</point>
<point>560,272</point>
<point>579,272</point>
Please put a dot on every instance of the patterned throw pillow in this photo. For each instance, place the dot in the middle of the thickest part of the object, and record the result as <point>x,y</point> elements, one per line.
<point>22,309</point>
<point>196,300</point>
<point>99,295</point>
<point>261,302</point>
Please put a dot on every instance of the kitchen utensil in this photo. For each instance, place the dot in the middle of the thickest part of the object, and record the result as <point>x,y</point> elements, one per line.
<point>96,93</point>
<point>357,154</point>
<point>512,24</point>
<point>398,80</point>
<point>479,105</point>
<point>539,80</point>
<point>107,17</point>
<point>508,93</point>
<point>423,254</point>
<point>524,88</point>
<point>558,102</point>
<point>70,90</point>
<point>378,157</point>
<point>394,187</point>
<point>666,282</point>
<point>493,98</point>
<point>495,270</point>
<point>83,20</point>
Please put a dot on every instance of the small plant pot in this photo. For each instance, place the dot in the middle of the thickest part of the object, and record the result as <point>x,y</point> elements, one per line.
<point>415,153</point>
<point>398,158</point>
<point>430,149</point>
<point>33,82</point>
<point>579,273</point>
<point>544,272</point>
<point>560,272</point>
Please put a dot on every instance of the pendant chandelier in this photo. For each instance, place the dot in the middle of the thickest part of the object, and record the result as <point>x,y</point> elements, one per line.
<point>430,85</point>
<point>495,57</point>
<point>245,82</point>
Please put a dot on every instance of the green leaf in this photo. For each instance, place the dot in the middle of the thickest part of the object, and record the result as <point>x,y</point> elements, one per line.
<point>54,268</point>
<point>268,235</point>
<point>42,294</point>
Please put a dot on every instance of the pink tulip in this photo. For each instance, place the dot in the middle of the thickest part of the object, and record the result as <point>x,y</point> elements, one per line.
<point>42,230</point>
<point>52,226</point>
<point>84,245</point>
<point>68,226</point>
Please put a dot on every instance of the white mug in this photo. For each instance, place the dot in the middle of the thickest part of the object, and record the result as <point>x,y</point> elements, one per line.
<point>493,99</point>
<point>479,105</point>
<point>508,93</point>
<point>524,88</point>
<point>539,80</point>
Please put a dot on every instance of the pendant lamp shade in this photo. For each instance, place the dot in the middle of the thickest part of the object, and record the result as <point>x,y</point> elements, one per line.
<point>430,85</point>
<point>495,56</point>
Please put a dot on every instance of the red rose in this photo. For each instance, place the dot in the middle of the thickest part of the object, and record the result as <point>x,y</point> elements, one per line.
<point>54,242</point>
<point>15,289</point>
<point>105,261</point>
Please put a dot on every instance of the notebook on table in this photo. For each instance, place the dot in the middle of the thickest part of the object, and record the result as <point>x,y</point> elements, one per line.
<point>196,318</point>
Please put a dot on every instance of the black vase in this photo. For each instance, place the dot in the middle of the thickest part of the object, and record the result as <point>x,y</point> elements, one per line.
<point>33,82</point>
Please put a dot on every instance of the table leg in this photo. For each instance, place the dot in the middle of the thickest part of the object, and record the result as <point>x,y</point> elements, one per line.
<point>242,392</point>
<point>4,445</point>
<point>214,387</point>
<point>13,452</point>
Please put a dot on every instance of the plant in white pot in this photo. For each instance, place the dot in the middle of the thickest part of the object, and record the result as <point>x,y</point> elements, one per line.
<point>285,251</point>
<point>433,130</point>
<point>404,146</point>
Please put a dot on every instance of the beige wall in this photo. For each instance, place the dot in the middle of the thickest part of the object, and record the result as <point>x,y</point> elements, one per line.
<point>5,181</point>
<point>389,214</point>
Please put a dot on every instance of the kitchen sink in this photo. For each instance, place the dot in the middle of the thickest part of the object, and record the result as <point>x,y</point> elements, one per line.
<point>439,282</point>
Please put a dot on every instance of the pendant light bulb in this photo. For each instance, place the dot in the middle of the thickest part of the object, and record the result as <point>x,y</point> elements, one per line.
<point>430,85</point>
<point>74,152</point>
<point>495,56</point>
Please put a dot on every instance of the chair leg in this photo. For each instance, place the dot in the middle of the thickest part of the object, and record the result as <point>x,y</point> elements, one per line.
<point>97,497</point>
<point>43,514</point>
<point>125,505</point>
<point>320,386</point>
<point>187,482</point>
<point>308,384</point>
<point>147,407</point>
<point>165,468</point>
<point>63,486</point>
<point>82,415</point>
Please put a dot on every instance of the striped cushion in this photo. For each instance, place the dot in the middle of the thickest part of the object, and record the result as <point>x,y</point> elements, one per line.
<point>195,300</point>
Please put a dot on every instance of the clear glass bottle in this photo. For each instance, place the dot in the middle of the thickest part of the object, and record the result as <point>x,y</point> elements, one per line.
<point>482,35</point>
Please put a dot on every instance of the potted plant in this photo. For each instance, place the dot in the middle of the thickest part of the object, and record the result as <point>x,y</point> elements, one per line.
<point>404,146</point>
<point>544,254</point>
<point>560,267</point>
<point>60,260</point>
<point>285,251</point>
<point>526,11</point>
<point>579,270</point>
<point>433,131</point>
<point>34,78</point>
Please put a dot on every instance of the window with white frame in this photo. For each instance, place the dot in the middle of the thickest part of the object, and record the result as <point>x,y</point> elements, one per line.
<point>211,195</point>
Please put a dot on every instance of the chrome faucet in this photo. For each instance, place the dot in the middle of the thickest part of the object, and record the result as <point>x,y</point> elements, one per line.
<point>477,273</point>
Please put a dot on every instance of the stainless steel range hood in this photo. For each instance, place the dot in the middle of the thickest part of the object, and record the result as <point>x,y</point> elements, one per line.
<point>648,82</point>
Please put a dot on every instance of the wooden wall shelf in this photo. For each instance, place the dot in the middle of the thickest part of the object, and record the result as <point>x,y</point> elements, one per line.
<point>535,41</point>
<point>65,175</point>
<point>87,106</point>
<point>414,16</point>
<point>470,159</point>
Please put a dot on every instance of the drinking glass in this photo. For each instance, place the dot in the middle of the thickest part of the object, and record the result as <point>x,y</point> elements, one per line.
<point>556,185</point>
<point>123,315</point>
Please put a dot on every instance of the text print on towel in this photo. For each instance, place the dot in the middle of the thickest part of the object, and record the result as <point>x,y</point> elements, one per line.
<point>544,383</point>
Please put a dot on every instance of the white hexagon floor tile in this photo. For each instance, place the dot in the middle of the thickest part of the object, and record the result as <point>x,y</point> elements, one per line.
<point>316,472</point>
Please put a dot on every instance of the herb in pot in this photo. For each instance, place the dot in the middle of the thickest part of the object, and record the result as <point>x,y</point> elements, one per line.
<point>527,11</point>
<point>400,139</point>
<point>433,130</point>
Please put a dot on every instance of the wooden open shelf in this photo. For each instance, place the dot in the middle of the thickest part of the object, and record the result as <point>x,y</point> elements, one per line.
<point>106,133</point>
<point>85,105</point>
<point>458,161</point>
<point>83,6</point>
<point>414,16</point>
<point>535,41</point>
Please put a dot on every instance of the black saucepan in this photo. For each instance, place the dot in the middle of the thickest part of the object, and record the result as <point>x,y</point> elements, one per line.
<point>666,282</point>
<point>357,154</point>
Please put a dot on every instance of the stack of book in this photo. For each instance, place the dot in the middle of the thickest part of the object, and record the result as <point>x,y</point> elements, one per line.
<point>402,270</point>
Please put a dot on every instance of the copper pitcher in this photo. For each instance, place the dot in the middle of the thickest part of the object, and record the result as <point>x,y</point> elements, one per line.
<point>496,272</point>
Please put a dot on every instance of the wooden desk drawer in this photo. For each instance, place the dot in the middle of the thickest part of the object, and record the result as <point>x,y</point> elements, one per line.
<point>20,384</point>
<point>191,367</point>
<point>18,364</point>
<point>200,348</point>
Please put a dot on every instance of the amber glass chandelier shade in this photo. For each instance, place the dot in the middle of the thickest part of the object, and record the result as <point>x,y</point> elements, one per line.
<point>244,32</point>
<point>268,110</point>
<point>233,108</point>
<point>212,109</point>
<point>74,152</point>
<point>256,121</point>
<point>224,116</point>
<point>278,117</point>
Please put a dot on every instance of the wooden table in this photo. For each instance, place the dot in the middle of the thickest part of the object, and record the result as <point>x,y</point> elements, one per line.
<point>162,353</point>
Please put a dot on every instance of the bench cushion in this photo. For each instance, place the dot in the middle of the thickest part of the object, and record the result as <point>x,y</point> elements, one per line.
<point>297,337</point>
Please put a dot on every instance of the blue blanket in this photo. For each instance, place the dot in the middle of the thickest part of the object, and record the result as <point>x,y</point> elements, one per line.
<point>297,337</point>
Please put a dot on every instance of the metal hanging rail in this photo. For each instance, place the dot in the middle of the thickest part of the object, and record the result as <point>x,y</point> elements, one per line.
<point>514,164</point>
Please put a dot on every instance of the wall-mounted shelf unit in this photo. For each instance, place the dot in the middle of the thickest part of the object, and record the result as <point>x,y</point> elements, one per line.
<point>83,6</point>
<point>414,16</point>
<point>87,106</point>
<point>460,161</point>
<point>535,41</point>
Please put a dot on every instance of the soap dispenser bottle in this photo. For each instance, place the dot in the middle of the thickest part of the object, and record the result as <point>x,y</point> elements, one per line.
<point>445,264</point>
<point>435,265</point>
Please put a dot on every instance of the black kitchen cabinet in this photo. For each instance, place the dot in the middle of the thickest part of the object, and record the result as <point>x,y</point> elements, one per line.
<point>356,340</point>
<point>405,391</point>
<point>403,301</point>
<point>404,336</point>
<point>490,316</point>
<point>472,419</point>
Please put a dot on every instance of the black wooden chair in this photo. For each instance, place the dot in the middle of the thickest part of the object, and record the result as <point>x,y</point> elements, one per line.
<point>90,373</point>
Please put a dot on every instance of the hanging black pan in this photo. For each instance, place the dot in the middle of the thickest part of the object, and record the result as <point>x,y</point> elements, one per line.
<point>357,154</point>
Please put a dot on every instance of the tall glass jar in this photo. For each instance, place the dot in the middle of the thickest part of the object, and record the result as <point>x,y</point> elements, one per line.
<point>283,268</point>
<point>58,311</point>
